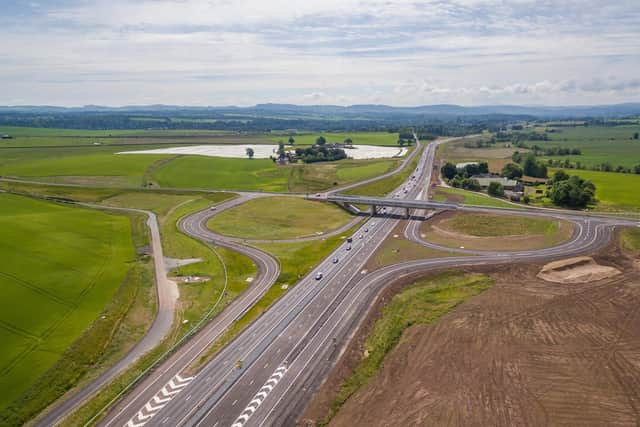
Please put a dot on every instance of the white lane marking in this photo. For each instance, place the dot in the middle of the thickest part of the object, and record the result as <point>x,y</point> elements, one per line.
<point>159,401</point>
<point>259,397</point>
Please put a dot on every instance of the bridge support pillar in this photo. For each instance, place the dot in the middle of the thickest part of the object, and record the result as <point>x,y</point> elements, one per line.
<point>407,215</point>
<point>374,210</point>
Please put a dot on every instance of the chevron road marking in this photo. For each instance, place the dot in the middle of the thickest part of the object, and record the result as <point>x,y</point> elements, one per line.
<point>259,397</point>
<point>159,401</point>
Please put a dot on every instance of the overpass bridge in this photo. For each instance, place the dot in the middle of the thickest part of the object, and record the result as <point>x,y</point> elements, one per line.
<point>376,202</point>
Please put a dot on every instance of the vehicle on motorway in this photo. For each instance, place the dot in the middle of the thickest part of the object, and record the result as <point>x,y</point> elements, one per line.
<point>360,236</point>
<point>350,239</point>
<point>335,260</point>
<point>366,230</point>
<point>318,276</point>
<point>212,208</point>
<point>349,247</point>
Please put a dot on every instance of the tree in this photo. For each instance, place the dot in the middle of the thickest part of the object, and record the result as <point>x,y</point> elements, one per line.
<point>574,192</point>
<point>348,141</point>
<point>250,152</point>
<point>449,170</point>
<point>516,157</point>
<point>483,167</point>
<point>281,151</point>
<point>291,140</point>
<point>471,184</point>
<point>636,169</point>
<point>636,135</point>
<point>532,167</point>
<point>401,142</point>
<point>512,170</point>
<point>321,140</point>
<point>495,189</point>
<point>560,175</point>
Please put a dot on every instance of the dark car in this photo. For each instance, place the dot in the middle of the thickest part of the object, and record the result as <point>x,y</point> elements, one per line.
<point>335,260</point>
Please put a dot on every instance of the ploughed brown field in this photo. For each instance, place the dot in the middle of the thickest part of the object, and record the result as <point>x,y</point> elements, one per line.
<point>526,352</point>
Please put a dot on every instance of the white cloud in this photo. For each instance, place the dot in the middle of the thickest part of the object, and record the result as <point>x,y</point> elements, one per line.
<point>322,51</point>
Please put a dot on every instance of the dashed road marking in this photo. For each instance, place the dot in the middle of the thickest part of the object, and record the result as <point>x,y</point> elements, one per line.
<point>159,401</point>
<point>259,397</point>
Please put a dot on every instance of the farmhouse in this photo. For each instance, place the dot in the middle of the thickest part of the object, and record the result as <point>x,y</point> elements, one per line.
<point>461,166</point>
<point>485,179</point>
<point>6,136</point>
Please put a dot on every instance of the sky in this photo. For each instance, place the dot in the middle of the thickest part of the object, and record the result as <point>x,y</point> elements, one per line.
<point>341,52</point>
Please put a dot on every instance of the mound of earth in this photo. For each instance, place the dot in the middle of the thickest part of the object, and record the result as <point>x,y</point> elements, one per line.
<point>576,270</point>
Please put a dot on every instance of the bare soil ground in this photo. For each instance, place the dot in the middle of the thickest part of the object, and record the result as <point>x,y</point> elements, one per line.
<point>525,352</point>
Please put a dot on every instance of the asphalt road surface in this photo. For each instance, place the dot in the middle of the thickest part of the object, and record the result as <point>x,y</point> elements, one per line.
<point>268,373</point>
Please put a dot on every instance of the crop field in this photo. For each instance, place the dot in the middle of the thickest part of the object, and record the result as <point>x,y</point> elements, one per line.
<point>55,282</point>
<point>279,218</point>
<point>99,166</point>
<point>365,138</point>
<point>18,131</point>
<point>598,144</point>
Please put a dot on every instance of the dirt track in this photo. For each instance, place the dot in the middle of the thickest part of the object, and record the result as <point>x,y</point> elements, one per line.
<point>525,352</point>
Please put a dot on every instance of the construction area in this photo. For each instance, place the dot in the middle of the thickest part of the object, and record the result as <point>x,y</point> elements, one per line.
<point>555,344</point>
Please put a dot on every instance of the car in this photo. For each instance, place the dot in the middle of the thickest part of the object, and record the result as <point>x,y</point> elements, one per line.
<point>318,276</point>
<point>366,230</point>
<point>335,260</point>
<point>350,239</point>
<point>349,247</point>
<point>360,236</point>
<point>373,223</point>
<point>212,208</point>
<point>318,195</point>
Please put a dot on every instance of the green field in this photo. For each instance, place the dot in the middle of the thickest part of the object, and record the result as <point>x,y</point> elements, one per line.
<point>484,225</point>
<point>614,191</point>
<point>421,303</point>
<point>99,166</point>
<point>362,138</point>
<point>18,131</point>
<point>599,144</point>
<point>278,218</point>
<point>60,267</point>
<point>470,198</point>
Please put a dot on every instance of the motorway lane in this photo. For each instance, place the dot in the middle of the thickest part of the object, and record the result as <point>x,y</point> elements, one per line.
<point>195,226</point>
<point>220,385</point>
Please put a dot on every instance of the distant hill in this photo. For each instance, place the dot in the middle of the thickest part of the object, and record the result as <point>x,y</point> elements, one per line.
<point>364,111</point>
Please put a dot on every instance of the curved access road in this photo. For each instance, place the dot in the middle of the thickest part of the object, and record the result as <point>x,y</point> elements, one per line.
<point>167,295</point>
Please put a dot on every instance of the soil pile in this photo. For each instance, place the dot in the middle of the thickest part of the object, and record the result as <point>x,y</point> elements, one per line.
<point>576,270</point>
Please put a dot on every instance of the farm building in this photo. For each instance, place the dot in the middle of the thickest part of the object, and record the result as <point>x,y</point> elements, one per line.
<point>460,166</point>
<point>6,136</point>
<point>508,184</point>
